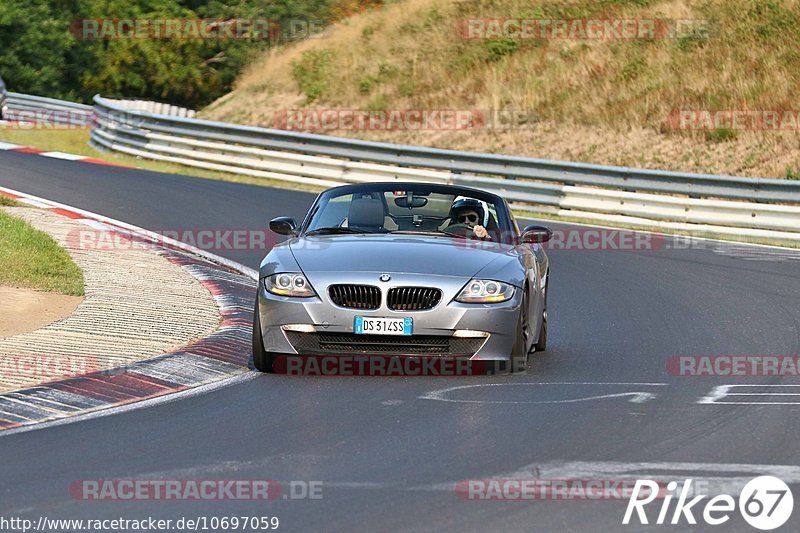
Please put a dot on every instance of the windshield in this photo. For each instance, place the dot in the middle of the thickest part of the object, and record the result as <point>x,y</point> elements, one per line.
<point>406,211</point>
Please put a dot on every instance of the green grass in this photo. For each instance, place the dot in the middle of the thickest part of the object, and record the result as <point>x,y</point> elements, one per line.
<point>10,202</point>
<point>310,72</point>
<point>32,259</point>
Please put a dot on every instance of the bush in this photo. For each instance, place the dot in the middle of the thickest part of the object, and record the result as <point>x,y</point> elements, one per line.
<point>309,73</point>
<point>720,135</point>
<point>500,48</point>
<point>40,55</point>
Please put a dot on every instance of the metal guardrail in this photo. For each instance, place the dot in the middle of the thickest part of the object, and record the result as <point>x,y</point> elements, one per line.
<point>33,109</point>
<point>156,108</point>
<point>696,185</point>
<point>28,108</point>
<point>41,102</point>
<point>719,205</point>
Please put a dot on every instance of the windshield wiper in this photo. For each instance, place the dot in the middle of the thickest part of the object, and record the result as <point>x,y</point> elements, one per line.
<point>333,231</point>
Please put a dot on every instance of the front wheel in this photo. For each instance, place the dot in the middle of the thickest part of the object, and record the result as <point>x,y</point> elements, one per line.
<point>519,355</point>
<point>262,359</point>
<point>541,344</point>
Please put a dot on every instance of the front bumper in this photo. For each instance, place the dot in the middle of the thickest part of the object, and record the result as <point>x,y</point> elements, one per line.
<point>326,329</point>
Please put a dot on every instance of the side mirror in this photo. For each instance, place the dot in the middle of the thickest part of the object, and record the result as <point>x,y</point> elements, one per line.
<point>535,235</point>
<point>283,226</point>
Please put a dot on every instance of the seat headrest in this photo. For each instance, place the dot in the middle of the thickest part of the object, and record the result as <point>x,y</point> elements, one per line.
<point>366,212</point>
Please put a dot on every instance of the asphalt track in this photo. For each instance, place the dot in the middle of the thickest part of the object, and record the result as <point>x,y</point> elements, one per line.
<point>386,450</point>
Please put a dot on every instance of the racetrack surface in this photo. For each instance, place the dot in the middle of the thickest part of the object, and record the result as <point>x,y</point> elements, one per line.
<point>597,404</point>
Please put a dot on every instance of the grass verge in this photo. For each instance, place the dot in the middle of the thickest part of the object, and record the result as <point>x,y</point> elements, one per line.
<point>32,259</point>
<point>9,202</point>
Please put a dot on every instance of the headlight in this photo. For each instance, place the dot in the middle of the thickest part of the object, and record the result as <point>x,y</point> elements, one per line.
<point>485,291</point>
<point>289,284</point>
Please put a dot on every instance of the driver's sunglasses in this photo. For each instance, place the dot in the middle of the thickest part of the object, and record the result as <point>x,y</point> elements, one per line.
<point>472,217</point>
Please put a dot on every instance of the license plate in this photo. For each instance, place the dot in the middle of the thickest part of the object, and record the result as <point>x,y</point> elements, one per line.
<point>382,326</point>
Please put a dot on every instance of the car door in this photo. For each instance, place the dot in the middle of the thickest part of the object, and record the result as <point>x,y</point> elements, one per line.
<point>534,260</point>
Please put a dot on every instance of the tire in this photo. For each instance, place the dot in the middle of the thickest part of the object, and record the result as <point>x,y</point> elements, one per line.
<point>262,359</point>
<point>541,344</point>
<point>519,355</point>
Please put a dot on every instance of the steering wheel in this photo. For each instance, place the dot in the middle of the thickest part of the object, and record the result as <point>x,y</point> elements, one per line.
<point>460,230</point>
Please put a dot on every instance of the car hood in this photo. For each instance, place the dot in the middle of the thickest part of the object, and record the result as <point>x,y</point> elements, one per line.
<point>443,256</point>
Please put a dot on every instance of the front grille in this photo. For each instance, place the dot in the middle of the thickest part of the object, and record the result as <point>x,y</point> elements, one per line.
<point>338,343</point>
<point>355,296</point>
<point>413,298</point>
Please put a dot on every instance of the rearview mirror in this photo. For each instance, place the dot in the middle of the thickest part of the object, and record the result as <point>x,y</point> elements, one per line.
<point>416,201</point>
<point>536,235</point>
<point>283,226</point>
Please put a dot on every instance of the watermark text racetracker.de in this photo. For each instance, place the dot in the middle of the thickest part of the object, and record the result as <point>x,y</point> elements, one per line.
<point>28,367</point>
<point>48,119</point>
<point>213,29</point>
<point>591,239</point>
<point>538,489</point>
<point>588,239</point>
<point>384,365</point>
<point>209,239</point>
<point>734,365</point>
<point>583,29</point>
<point>763,120</point>
<point>417,119</point>
<point>194,490</point>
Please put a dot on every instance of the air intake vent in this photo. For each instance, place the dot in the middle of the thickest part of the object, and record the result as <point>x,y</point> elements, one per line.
<point>413,298</point>
<point>337,343</point>
<point>355,296</point>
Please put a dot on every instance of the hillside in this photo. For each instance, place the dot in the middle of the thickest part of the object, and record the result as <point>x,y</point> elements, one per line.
<point>606,100</point>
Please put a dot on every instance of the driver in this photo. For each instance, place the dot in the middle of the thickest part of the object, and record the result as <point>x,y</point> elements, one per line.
<point>469,212</point>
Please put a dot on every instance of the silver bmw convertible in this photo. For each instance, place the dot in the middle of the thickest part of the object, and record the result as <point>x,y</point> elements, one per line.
<point>403,270</point>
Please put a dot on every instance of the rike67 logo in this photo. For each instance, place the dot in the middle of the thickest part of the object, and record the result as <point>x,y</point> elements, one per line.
<point>765,503</point>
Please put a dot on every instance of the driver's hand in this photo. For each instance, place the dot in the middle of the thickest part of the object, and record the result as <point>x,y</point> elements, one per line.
<point>480,232</point>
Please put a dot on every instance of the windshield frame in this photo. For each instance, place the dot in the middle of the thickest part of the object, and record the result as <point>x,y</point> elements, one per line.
<point>502,213</point>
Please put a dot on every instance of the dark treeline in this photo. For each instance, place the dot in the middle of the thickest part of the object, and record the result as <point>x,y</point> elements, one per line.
<point>73,49</point>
